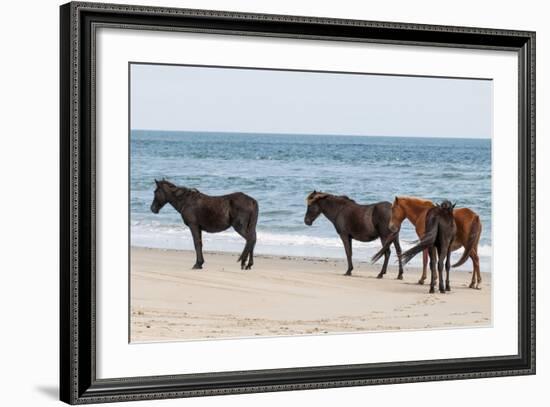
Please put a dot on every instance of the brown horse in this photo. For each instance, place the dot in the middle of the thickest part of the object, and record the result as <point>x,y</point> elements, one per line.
<point>201,212</point>
<point>468,231</point>
<point>440,231</point>
<point>354,221</point>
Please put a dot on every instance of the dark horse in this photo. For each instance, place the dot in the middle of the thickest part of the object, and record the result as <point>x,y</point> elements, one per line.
<point>468,231</point>
<point>201,212</point>
<point>438,237</point>
<point>353,221</point>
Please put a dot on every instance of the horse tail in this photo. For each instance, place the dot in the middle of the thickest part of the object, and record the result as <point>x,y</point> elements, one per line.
<point>473,238</point>
<point>427,241</point>
<point>385,247</point>
<point>253,218</point>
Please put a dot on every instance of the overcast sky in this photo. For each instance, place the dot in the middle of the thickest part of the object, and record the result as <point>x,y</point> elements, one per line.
<point>265,101</point>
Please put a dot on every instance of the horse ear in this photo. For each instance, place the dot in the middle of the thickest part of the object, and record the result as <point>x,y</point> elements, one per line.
<point>436,204</point>
<point>453,205</point>
<point>314,191</point>
<point>396,199</point>
<point>156,182</point>
<point>315,196</point>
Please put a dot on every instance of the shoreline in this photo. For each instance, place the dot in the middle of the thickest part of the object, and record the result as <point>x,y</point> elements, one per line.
<point>358,256</point>
<point>287,296</point>
<point>313,259</point>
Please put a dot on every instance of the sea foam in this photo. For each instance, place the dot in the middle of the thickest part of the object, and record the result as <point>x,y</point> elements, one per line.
<point>280,244</point>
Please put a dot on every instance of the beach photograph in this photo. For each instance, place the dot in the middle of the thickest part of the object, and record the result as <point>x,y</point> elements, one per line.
<point>268,202</point>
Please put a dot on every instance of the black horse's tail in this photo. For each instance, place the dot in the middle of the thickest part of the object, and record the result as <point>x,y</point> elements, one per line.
<point>427,241</point>
<point>385,247</point>
<point>473,238</point>
<point>253,218</point>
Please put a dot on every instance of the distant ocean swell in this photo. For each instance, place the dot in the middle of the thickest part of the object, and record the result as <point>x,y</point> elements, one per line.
<point>279,171</point>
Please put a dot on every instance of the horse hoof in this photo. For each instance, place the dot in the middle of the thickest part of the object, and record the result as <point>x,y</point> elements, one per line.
<point>442,291</point>
<point>421,282</point>
<point>432,291</point>
<point>400,277</point>
<point>448,289</point>
<point>347,273</point>
<point>380,275</point>
<point>196,267</point>
<point>248,267</point>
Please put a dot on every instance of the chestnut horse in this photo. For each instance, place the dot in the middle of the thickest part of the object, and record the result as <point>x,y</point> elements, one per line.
<point>468,231</point>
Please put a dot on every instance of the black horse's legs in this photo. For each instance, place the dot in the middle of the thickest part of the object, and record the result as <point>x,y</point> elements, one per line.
<point>346,239</point>
<point>424,266</point>
<point>242,258</point>
<point>385,265</point>
<point>250,238</point>
<point>398,251</point>
<point>386,260</point>
<point>197,241</point>
<point>252,243</point>
<point>440,265</point>
<point>447,271</point>
<point>432,269</point>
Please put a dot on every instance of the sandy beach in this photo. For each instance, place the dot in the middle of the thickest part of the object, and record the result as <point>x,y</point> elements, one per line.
<point>287,296</point>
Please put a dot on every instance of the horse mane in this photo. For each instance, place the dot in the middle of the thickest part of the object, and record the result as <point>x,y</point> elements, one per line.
<point>341,198</point>
<point>179,191</point>
<point>418,201</point>
<point>166,183</point>
<point>345,197</point>
<point>315,194</point>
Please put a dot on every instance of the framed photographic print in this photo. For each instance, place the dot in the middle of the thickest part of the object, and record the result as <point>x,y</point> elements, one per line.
<point>255,203</point>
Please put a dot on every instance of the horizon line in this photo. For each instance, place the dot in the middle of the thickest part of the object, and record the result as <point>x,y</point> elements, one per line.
<point>313,134</point>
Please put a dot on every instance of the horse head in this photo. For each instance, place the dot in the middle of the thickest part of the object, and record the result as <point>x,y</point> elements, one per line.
<point>446,205</point>
<point>398,214</point>
<point>313,208</point>
<point>160,196</point>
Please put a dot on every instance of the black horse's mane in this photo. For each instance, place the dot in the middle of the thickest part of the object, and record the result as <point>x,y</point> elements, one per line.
<point>344,197</point>
<point>347,198</point>
<point>179,191</point>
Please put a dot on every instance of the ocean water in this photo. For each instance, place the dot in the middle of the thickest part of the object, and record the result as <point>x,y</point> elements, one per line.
<point>279,171</point>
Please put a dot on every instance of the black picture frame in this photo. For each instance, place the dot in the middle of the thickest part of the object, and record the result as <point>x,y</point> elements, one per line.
<point>78,382</point>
